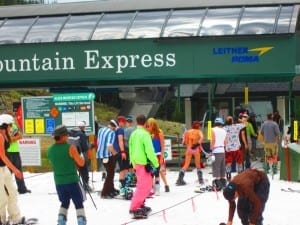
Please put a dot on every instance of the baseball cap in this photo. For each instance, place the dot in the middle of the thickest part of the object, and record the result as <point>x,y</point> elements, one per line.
<point>60,130</point>
<point>129,119</point>
<point>229,191</point>
<point>219,120</point>
<point>121,119</point>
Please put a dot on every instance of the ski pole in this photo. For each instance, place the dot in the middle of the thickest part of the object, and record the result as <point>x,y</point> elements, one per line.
<point>88,191</point>
<point>84,184</point>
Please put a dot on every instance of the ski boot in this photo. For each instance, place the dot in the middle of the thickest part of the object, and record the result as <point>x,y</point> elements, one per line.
<point>223,182</point>
<point>62,220</point>
<point>266,167</point>
<point>81,219</point>
<point>200,177</point>
<point>180,180</point>
<point>228,176</point>
<point>128,193</point>
<point>274,168</point>
<point>217,185</point>
<point>167,188</point>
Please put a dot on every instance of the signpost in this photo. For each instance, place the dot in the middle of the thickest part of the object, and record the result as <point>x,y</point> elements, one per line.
<point>43,113</point>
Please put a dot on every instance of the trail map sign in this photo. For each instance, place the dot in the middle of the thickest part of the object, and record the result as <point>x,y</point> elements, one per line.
<point>43,113</point>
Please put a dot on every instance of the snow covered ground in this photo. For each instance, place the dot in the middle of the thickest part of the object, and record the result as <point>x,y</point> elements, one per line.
<point>181,206</point>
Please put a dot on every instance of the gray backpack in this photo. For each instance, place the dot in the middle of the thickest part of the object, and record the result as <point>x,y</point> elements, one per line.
<point>76,142</point>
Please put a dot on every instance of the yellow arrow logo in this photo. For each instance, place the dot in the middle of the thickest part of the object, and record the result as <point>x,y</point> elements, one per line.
<point>261,50</point>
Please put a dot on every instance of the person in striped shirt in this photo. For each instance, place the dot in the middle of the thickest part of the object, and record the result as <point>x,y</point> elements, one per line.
<point>106,153</point>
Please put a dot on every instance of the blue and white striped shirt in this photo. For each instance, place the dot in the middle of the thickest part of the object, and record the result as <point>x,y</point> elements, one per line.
<point>106,137</point>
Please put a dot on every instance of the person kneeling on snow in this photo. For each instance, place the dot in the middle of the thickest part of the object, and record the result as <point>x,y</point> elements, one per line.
<point>64,159</point>
<point>252,189</point>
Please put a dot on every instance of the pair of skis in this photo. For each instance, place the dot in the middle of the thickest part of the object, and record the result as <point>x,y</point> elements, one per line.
<point>290,190</point>
<point>29,221</point>
<point>205,189</point>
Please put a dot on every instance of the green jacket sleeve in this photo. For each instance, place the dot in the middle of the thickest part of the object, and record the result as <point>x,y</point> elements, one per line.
<point>150,152</point>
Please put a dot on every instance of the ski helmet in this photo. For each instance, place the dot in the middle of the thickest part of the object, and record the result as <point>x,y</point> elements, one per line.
<point>6,119</point>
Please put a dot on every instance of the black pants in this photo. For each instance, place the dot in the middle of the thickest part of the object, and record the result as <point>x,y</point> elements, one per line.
<point>108,186</point>
<point>15,159</point>
<point>245,207</point>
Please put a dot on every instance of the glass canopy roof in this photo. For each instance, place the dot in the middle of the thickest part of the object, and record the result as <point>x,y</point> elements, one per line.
<point>151,24</point>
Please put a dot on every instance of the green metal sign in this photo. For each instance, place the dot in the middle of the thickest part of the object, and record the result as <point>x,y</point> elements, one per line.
<point>179,60</point>
<point>42,114</point>
<point>73,97</point>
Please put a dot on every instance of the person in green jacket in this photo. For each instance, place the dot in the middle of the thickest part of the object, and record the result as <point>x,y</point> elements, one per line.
<point>144,161</point>
<point>65,159</point>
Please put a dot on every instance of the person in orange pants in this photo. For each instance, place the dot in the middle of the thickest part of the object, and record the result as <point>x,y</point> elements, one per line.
<point>193,139</point>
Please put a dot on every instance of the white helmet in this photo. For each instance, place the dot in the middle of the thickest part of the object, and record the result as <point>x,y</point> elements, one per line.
<point>6,119</point>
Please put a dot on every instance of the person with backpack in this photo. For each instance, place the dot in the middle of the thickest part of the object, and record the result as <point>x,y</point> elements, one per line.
<point>145,163</point>
<point>193,139</point>
<point>65,159</point>
<point>79,139</point>
<point>8,191</point>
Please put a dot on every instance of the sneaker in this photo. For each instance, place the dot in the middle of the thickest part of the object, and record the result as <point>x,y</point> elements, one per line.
<point>167,188</point>
<point>140,214</point>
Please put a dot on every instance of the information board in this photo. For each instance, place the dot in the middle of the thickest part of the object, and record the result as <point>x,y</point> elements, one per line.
<point>43,113</point>
<point>30,151</point>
